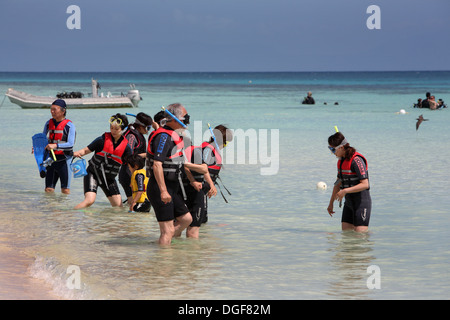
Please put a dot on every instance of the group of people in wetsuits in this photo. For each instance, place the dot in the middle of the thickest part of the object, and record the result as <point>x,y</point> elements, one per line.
<point>430,102</point>
<point>175,177</point>
<point>165,172</point>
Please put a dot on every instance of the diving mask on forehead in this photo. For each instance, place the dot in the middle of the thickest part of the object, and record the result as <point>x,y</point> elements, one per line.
<point>116,120</point>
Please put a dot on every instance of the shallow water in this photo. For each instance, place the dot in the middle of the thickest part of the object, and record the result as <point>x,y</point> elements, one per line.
<point>274,239</point>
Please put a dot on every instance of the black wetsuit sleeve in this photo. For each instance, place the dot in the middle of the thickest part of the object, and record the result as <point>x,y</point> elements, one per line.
<point>97,144</point>
<point>162,144</point>
<point>128,152</point>
<point>360,168</point>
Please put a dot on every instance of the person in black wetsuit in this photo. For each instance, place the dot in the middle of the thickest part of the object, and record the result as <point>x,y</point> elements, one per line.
<point>352,183</point>
<point>138,144</point>
<point>110,151</point>
<point>165,162</point>
<point>309,99</point>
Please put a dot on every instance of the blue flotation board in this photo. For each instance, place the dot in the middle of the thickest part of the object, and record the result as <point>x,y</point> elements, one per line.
<point>40,154</point>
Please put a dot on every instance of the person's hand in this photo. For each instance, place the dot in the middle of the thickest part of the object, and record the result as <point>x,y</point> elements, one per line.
<point>330,210</point>
<point>165,197</point>
<point>212,192</point>
<point>196,185</point>
<point>51,146</point>
<point>341,194</point>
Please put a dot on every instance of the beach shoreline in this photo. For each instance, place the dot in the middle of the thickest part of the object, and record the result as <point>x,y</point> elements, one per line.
<point>15,281</point>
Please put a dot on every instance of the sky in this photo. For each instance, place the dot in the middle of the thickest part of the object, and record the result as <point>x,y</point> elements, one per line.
<point>224,35</point>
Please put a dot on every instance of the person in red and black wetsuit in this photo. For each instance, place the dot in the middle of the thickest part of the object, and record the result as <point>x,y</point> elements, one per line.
<point>165,161</point>
<point>61,135</point>
<point>352,183</point>
<point>111,149</point>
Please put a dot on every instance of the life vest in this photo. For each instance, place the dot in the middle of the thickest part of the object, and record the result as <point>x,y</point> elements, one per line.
<point>109,160</point>
<point>55,134</point>
<point>134,186</point>
<point>132,136</point>
<point>173,163</point>
<point>214,168</point>
<point>347,176</point>
<point>189,152</point>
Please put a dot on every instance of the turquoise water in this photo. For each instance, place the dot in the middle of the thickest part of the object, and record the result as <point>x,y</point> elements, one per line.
<point>274,239</point>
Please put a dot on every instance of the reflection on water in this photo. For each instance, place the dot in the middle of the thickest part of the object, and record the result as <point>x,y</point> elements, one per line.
<point>351,256</point>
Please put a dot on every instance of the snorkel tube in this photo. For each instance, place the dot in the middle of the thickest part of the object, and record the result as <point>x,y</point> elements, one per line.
<point>53,154</point>
<point>214,137</point>
<point>340,202</point>
<point>173,117</point>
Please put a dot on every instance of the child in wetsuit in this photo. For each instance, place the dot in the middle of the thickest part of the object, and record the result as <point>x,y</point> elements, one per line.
<point>139,180</point>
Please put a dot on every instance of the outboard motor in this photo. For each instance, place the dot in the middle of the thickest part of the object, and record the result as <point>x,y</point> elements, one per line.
<point>133,95</point>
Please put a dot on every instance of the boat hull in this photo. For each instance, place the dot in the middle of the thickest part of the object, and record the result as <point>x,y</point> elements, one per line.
<point>29,101</point>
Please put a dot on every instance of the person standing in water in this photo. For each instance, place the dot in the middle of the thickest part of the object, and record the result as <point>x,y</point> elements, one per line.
<point>111,149</point>
<point>61,134</point>
<point>136,140</point>
<point>165,161</point>
<point>352,183</point>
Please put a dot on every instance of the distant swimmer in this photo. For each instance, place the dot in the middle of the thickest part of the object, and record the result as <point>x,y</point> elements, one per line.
<point>309,99</point>
<point>420,119</point>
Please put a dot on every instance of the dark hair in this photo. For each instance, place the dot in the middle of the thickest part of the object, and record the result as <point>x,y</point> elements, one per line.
<point>222,134</point>
<point>136,160</point>
<point>143,120</point>
<point>123,118</point>
<point>336,139</point>
<point>159,116</point>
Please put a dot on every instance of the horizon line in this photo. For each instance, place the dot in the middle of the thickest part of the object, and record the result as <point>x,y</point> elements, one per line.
<point>322,71</point>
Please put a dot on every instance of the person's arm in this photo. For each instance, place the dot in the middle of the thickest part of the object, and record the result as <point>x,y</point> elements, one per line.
<point>200,168</point>
<point>359,167</point>
<point>195,184</point>
<point>159,177</point>
<point>361,186</point>
<point>96,145</point>
<point>141,189</point>
<point>212,191</point>
<point>82,152</point>
<point>336,188</point>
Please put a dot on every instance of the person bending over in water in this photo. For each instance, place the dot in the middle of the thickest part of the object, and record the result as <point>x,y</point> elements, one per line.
<point>111,149</point>
<point>352,183</point>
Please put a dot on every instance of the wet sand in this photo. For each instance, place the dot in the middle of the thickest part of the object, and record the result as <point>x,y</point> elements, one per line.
<point>15,282</point>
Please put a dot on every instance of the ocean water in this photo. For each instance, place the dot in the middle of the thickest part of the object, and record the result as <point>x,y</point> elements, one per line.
<point>274,238</point>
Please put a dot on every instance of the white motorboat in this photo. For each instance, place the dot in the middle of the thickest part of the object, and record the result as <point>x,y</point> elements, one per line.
<point>77,99</point>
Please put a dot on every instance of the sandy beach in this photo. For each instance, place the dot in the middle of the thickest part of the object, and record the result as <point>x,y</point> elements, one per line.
<point>14,278</point>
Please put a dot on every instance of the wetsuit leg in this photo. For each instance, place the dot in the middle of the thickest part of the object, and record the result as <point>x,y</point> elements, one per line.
<point>165,211</point>
<point>125,180</point>
<point>357,209</point>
